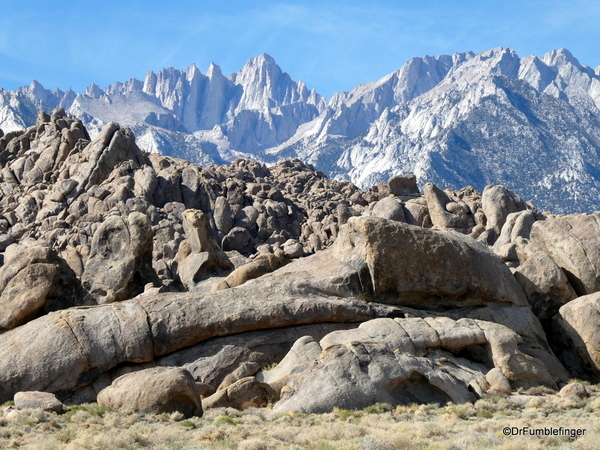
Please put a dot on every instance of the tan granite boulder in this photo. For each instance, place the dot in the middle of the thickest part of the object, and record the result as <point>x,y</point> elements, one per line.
<point>154,391</point>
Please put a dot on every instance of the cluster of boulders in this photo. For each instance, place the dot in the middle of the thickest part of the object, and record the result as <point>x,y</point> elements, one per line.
<point>146,282</point>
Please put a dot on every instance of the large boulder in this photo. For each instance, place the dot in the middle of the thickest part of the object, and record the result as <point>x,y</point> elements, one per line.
<point>33,281</point>
<point>572,242</point>
<point>154,391</point>
<point>408,265</point>
<point>238,239</point>
<point>577,335</point>
<point>38,400</point>
<point>304,350</point>
<point>259,266</point>
<point>389,208</point>
<point>403,184</point>
<point>120,260</point>
<point>446,213</point>
<point>400,361</point>
<point>544,283</point>
<point>497,202</point>
<point>517,224</point>
<point>26,294</point>
<point>243,394</point>
<point>419,335</point>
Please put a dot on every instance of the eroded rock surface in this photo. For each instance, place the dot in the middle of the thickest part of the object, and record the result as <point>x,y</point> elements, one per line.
<point>224,270</point>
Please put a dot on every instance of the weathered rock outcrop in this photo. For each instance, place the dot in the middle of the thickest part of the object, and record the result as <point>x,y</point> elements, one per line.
<point>33,280</point>
<point>544,283</point>
<point>102,223</point>
<point>572,242</point>
<point>577,328</point>
<point>356,375</point>
<point>205,258</point>
<point>359,367</point>
<point>120,260</point>
<point>407,265</point>
<point>65,350</point>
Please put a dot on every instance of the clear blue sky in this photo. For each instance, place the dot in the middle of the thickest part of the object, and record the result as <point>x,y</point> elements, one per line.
<point>330,45</point>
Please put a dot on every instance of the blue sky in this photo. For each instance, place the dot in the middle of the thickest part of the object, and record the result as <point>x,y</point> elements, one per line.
<point>330,45</point>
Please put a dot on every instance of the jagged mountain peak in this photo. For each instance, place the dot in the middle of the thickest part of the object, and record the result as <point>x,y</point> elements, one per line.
<point>192,72</point>
<point>94,91</point>
<point>264,59</point>
<point>214,70</point>
<point>560,57</point>
<point>262,70</point>
<point>35,84</point>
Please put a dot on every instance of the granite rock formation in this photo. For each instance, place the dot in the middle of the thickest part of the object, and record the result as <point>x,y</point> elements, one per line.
<point>117,262</point>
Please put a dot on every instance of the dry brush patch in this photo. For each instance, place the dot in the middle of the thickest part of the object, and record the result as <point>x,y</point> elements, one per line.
<point>380,427</point>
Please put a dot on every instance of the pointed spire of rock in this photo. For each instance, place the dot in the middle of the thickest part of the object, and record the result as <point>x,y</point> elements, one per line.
<point>94,91</point>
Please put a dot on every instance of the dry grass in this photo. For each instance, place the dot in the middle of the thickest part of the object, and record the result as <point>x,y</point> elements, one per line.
<point>380,427</point>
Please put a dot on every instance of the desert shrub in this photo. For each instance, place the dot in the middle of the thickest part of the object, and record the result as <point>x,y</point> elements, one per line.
<point>269,367</point>
<point>375,444</point>
<point>484,413</point>
<point>379,408</point>
<point>462,411</point>
<point>539,390</point>
<point>324,445</point>
<point>187,424</point>
<point>93,409</point>
<point>65,435</point>
<point>226,420</point>
<point>344,414</point>
<point>252,444</point>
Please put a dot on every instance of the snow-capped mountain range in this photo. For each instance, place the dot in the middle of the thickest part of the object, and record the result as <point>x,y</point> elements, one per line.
<point>466,119</point>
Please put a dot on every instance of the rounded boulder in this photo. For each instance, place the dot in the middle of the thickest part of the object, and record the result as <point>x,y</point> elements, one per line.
<point>154,391</point>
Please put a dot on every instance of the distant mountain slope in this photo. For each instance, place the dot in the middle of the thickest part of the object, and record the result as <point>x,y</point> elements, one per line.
<point>489,118</point>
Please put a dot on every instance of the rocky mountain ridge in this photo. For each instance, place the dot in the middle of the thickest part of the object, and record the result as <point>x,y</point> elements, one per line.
<point>146,282</point>
<point>467,120</point>
<point>463,119</point>
<point>258,107</point>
